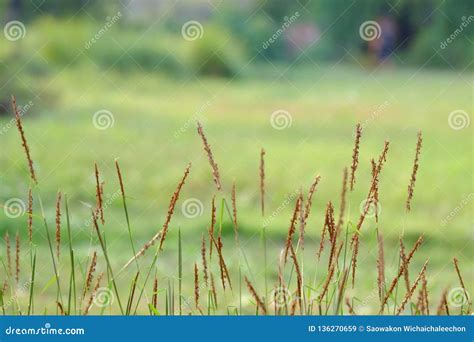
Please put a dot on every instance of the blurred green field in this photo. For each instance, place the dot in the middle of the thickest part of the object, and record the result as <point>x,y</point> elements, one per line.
<point>154,137</point>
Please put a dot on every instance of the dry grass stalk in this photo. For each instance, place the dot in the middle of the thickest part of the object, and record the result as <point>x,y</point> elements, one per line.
<point>293,307</point>
<point>119,174</point>
<point>154,297</point>
<point>60,307</point>
<point>255,296</point>
<point>292,228</point>
<point>355,154</point>
<point>380,266</point>
<point>461,281</point>
<point>262,180</point>
<point>374,185</point>
<point>342,287</point>
<point>403,258</point>
<point>224,272</point>
<point>409,294</point>
<point>93,294</point>
<point>327,227</point>
<point>342,206</point>
<point>207,148</point>
<point>331,228</point>
<point>326,283</point>
<point>17,257</point>
<point>355,253</point>
<point>213,289</point>
<point>98,195</point>
<point>90,274</point>
<point>401,270</point>
<point>299,276</point>
<point>234,214</point>
<point>443,304</point>
<point>204,261</point>
<point>9,252</point>
<point>424,292</point>
<point>162,233</point>
<point>411,186</point>
<point>307,209</point>
<point>58,224</point>
<point>349,307</point>
<point>23,140</point>
<point>172,205</point>
<point>213,224</point>
<point>196,286</point>
<point>30,215</point>
<point>375,195</point>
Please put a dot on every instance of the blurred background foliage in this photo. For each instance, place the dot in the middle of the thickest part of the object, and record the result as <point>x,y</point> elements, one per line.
<point>421,27</point>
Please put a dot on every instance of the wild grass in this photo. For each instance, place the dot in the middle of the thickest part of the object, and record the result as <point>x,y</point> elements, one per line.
<point>296,290</point>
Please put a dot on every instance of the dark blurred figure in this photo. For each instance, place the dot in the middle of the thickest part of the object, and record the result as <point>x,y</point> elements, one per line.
<point>382,47</point>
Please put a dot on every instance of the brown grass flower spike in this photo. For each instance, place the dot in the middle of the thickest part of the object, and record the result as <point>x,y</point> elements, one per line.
<point>58,224</point>
<point>411,186</point>
<point>23,140</point>
<point>355,154</point>
<point>207,148</point>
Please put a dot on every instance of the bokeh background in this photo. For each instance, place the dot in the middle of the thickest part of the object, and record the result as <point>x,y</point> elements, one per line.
<point>99,80</point>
